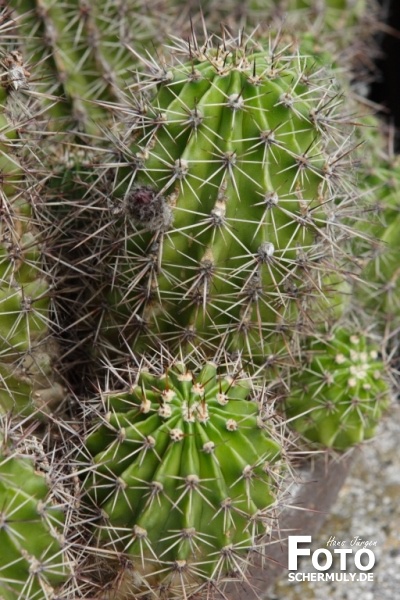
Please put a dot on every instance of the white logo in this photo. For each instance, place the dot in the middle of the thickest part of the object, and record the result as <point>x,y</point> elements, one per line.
<point>341,557</point>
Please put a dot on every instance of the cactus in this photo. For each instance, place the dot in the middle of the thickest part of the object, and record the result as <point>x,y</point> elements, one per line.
<point>32,560</point>
<point>222,226</point>
<point>344,27</point>
<point>187,472</point>
<point>380,288</point>
<point>197,219</point>
<point>26,352</point>
<point>82,52</point>
<point>327,15</point>
<point>339,396</point>
<point>334,13</point>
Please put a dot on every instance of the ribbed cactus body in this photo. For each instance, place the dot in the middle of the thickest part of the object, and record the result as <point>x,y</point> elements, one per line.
<point>228,205</point>
<point>345,11</point>
<point>380,290</point>
<point>190,468</point>
<point>25,363</point>
<point>80,53</point>
<point>32,563</point>
<point>329,15</point>
<point>338,398</point>
<point>333,15</point>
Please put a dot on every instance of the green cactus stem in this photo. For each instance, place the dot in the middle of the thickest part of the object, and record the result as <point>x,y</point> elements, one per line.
<point>82,53</point>
<point>338,398</point>
<point>26,354</point>
<point>331,16</point>
<point>187,472</point>
<point>32,561</point>
<point>334,13</point>
<point>380,290</point>
<point>226,194</point>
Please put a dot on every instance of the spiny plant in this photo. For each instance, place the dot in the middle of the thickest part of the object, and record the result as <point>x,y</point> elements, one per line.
<point>337,399</point>
<point>327,15</point>
<point>82,54</point>
<point>187,472</point>
<point>334,13</point>
<point>344,27</point>
<point>347,9</point>
<point>27,377</point>
<point>207,212</point>
<point>218,218</point>
<point>32,559</point>
<point>380,179</point>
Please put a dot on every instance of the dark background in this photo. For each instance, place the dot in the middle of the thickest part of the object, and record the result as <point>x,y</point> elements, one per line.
<point>386,88</point>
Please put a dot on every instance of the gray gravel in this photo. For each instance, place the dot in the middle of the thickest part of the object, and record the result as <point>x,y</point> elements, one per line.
<point>368,506</point>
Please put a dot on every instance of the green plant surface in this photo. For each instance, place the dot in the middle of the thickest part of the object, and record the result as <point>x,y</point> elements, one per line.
<point>187,472</point>
<point>226,199</point>
<point>26,373</point>
<point>338,398</point>
<point>380,290</point>
<point>83,53</point>
<point>32,563</point>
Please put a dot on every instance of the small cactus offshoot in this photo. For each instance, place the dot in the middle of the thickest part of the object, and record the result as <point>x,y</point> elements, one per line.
<point>338,398</point>
<point>187,472</point>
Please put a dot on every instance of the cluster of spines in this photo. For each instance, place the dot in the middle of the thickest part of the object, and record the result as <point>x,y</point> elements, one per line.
<point>26,353</point>
<point>334,13</point>
<point>377,248</point>
<point>380,182</point>
<point>33,560</point>
<point>33,557</point>
<point>81,54</point>
<point>346,25</point>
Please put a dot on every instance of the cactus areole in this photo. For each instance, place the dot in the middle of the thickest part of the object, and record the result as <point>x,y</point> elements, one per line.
<point>231,198</point>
